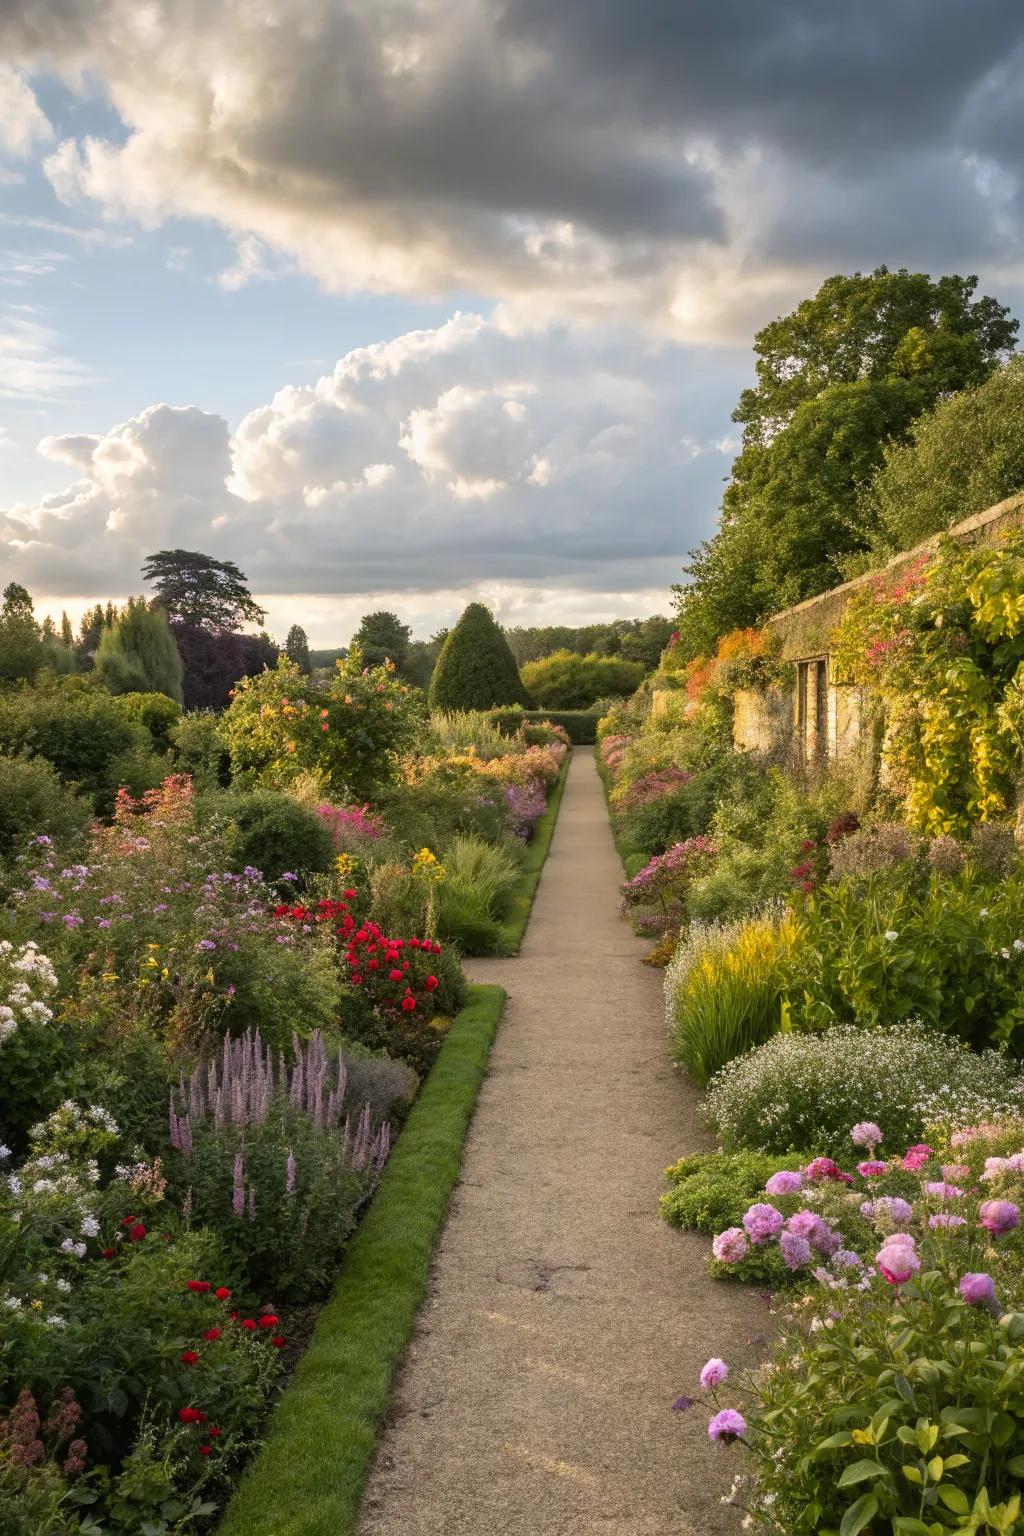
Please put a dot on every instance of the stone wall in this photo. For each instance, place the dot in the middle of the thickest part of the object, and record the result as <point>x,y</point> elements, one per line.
<point>817,716</point>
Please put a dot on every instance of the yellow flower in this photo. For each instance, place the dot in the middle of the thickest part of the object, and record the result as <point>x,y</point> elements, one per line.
<point>344,864</point>
<point>110,976</point>
<point>165,974</point>
<point>862,1436</point>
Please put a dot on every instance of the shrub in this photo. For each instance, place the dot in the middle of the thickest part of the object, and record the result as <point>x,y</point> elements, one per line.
<point>351,733</point>
<point>806,1091</point>
<point>138,654</point>
<point>565,680</point>
<point>447,803</point>
<point>722,990</point>
<point>277,1160</point>
<point>33,1052</point>
<point>271,832</point>
<point>476,669</point>
<point>34,802</point>
<point>199,750</point>
<point>158,713</point>
<point>85,733</point>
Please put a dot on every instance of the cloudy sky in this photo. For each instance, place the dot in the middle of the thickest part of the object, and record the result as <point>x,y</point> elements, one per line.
<point>402,302</point>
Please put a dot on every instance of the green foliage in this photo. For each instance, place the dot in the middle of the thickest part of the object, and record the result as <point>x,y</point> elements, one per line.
<point>22,652</point>
<point>843,375</point>
<point>158,713</point>
<point>564,680</point>
<point>473,895</point>
<point>296,647</point>
<point>962,457</point>
<point>200,590</point>
<point>807,1091</point>
<point>446,804</point>
<point>271,832</point>
<point>199,750</point>
<point>34,802</point>
<point>639,640</point>
<point>350,733</point>
<point>88,736</point>
<point>476,669</point>
<point>712,1190</point>
<point>580,725</point>
<point>382,637</point>
<point>904,1417</point>
<point>138,654</point>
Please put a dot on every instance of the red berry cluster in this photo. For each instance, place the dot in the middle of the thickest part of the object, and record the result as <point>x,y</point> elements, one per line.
<point>265,1323</point>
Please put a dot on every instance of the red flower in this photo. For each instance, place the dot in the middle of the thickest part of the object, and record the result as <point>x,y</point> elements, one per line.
<point>137,1233</point>
<point>431,983</point>
<point>394,975</point>
<point>214,1431</point>
<point>222,1293</point>
<point>191,1416</point>
<point>204,1450</point>
<point>211,1334</point>
<point>232,1315</point>
<point>807,887</point>
<point>108,1253</point>
<point>808,845</point>
<point>200,1286</point>
<point>357,981</point>
<point>279,1342</point>
<point>269,1319</point>
<point>128,1221</point>
<point>247,1322</point>
<point>408,1004</point>
<point>189,1357</point>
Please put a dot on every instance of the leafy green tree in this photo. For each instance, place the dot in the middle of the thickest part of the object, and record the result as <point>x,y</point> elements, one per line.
<point>422,659</point>
<point>843,375</point>
<point>22,652</point>
<point>297,647</point>
<point>382,637</point>
<point>89,631</point>
<point>965,455</point>
<point>646,639</point>
<point>564,680</point>
<point>198,589</point>
<point>476,669</point>
<point>67,634</point>
<point>138,653</point>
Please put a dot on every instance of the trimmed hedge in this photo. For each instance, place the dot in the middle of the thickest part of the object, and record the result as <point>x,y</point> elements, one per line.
<point>581,724</point>
<point>308,1478</point>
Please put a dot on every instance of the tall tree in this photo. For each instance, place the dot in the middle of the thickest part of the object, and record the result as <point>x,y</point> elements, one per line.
<point>67,634</point>
<point>22,652</point>
<point>476,669</point>
<point>197,589</point>
<point>215,660</point>
<point>297,647</point>
<point>381,637</point>
<point>843,375</point>
<point>138,653</point>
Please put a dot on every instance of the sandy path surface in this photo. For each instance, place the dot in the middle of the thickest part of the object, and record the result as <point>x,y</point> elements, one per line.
<point>563,1314</point>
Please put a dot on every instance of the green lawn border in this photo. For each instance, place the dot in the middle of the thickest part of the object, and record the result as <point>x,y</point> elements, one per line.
<point>307,1479</point>
<point>514,926</point>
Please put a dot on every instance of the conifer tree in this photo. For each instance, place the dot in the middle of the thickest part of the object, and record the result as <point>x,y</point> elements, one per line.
<point>476,668</point>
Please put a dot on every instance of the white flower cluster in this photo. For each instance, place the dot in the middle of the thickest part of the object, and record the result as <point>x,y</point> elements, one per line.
<point>795,1090</point>
<point>27,979</point>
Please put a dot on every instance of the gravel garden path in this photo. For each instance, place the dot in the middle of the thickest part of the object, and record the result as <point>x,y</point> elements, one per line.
<point>563,1315</point>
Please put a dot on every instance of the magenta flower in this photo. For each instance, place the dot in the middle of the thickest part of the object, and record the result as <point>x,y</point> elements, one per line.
<point>915,1157</point>
<point>821,1168</point>
<point>784,1183</point>
<point>871,1169</point>
<point>729,1247</point>
<point>998,1216</point>
<point>805,1224</point>
<point>763,1222</point>
<point>977,1290</point>
<point>727,1426</point>
<point>714,1373</point>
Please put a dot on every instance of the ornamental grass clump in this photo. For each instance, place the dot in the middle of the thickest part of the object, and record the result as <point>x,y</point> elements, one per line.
<point>723,990</point>
<point>276,1159</point>
<point>805,1091</point>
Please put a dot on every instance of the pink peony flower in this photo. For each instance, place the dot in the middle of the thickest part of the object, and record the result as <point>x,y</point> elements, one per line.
<point>866,1134</point>
<point>727,1425</point>
<point>998,1216</point>
<point>796,1250</point>
<point>714,1373</point>
<point>872,1169</point>
<point>946,1219</point>
<point>806,1224</point>
<point>784,1183</point>
<point>915,1157</point>
<point>939,1190</point>
<point>897,1259</point>
<point>729,1247</point>
<point>763,1222</point>
<point>978,1290</point>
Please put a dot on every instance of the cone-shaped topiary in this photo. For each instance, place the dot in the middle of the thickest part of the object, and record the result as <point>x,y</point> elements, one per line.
<point>476,669</point>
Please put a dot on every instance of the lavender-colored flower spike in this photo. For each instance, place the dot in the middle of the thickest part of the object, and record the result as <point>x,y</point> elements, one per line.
<point>238,1192</point>
<point>289,1180</point>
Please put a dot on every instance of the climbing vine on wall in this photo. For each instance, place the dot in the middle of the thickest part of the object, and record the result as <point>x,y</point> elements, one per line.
<point>943,644</point>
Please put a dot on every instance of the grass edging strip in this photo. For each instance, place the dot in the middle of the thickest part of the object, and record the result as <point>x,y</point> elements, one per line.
<point>307,1479</point>
<point>514,925</point>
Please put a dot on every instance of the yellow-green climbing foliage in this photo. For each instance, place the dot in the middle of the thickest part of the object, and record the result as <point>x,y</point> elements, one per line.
<point>943,643</point>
